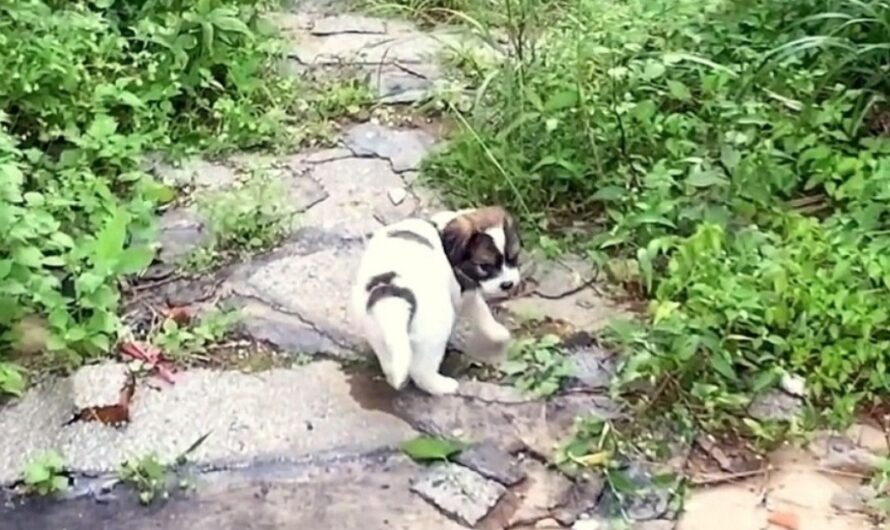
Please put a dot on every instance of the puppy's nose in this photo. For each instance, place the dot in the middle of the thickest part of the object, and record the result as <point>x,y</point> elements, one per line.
<point>506,286</point>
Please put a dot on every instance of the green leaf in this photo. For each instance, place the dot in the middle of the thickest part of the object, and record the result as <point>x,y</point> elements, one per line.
<point>426,448</point>
<point>12,380</point>
<point>102,127</point>
<point>110,241</point>
<point>723,366</point>
<point>35,473</point>
<point>561,100</point>
<point>654,70</point>
<point>28,256</point>
<point>678,90</point>
<point>135,259</point>
<point>704,178</point>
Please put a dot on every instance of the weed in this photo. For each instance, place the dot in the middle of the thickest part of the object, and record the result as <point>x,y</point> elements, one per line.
<point>722,163</point>
<point>538,366</point>
<point>44,474</point>
<point>88,88</point>
<point>148,476</point>
<point>12,379</point>
<point>184,342</point>
<point>254,216</point>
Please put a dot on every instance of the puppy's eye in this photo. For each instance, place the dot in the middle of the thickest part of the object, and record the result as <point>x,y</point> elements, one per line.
<point>513,261</point>
<point>486,269</point>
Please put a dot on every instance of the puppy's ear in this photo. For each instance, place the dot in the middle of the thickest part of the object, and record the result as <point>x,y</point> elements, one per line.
<point>456,239</point>
<point>512,239</point>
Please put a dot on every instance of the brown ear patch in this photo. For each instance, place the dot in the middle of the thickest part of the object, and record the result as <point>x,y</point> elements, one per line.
<point>512,240</point>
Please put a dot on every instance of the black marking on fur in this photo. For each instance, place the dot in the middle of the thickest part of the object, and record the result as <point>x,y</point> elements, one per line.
<point>379,280</point>
<point>393,291</point>
<point>412,236</point>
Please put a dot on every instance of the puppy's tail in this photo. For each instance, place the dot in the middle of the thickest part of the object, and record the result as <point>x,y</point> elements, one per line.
<point>392,308</point>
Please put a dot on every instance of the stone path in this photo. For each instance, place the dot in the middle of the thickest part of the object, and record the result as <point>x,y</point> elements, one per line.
<point>316,445</point>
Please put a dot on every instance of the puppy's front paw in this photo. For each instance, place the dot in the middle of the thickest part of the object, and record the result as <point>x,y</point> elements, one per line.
<point>500,336</point>
<point>437,385</point>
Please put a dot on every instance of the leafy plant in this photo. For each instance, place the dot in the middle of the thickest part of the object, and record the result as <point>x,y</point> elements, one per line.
<point>538,366</point>
<point>147,475</point>
<point>252,217</point>
<point>182,342</point>
<point>12,380</point>
<point>431,448</point>
<point>89,87</point>
<point>719,161</point>
<point>44,475</point>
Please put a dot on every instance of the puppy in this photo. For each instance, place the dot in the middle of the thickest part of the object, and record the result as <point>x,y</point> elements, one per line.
<point>417,276</point>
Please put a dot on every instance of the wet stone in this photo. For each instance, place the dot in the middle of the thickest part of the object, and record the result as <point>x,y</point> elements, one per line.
<point>539,426</point>
<point>404,148</point>
<point>492,462</point>
<point>459,492</point>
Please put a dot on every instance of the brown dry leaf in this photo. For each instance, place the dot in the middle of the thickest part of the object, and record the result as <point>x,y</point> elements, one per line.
<point>180,315</point>
<point>787,520</point>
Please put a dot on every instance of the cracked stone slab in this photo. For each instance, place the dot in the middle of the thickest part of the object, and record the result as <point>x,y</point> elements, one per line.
<point>459,492</point>
<point>289,413</point>
<point>404,148</point>
<point>491,461</point>
<point>371,493</point>
<point>538,425</point>
<point>284,331</point>
<point>543,491</point>
<point>358,201</point>
<point>398,84</point>
<point>408,46</point>
<point>309,280</point>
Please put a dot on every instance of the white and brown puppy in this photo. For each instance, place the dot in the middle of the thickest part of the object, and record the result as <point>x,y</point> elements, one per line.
<point>417,276</point>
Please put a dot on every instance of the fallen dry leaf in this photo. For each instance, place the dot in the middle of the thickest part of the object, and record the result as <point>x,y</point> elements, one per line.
<point>787,520</point>
<point>179,314</point>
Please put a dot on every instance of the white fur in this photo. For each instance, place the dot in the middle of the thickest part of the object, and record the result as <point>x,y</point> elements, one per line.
<point>416,350</point>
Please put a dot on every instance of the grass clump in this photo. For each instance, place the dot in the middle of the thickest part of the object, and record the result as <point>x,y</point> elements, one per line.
<point>729,152</point>
<point>87,88</point>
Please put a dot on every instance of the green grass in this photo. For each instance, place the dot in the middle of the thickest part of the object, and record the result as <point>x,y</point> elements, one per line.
<point>88,88</point>
<point>724,149</point>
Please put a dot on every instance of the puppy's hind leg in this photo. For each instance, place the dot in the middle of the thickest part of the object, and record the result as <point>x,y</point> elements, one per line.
<point>425,368</point>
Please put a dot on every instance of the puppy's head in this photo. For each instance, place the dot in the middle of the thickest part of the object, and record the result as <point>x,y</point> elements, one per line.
<point>483,248</point>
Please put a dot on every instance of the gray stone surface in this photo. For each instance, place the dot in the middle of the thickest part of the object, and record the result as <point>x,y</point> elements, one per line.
<point>310,281</point>
<point>775,405</point>
<point>543,491</point>
<point>357,200</point>
<point>404,148</point>
<point>287,332</point>
<point>460,492</point>
<point>491,461</point>
<point>593,367</point>
<point>581,498</point>
<point>369,493</point>
<point>98,385</point>
<point>303,412</point>
<point>540,426</point>
<point>196,172</point>
<point>181,232</point>
<point>347,24</point>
